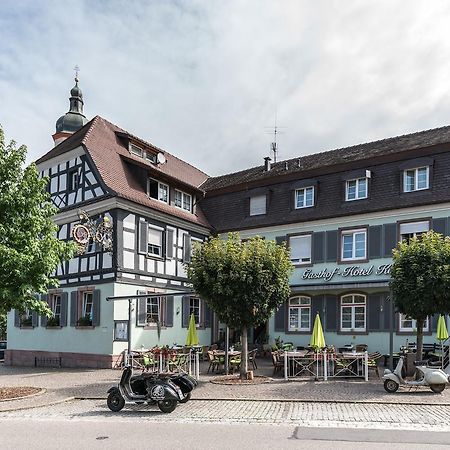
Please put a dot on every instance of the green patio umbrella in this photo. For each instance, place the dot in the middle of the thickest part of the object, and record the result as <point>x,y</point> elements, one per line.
<point>442,335</point>
<point>317,339</point>
<point>192,336</point>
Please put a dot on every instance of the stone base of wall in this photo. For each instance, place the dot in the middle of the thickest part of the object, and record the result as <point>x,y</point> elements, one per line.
<point>34,358</point>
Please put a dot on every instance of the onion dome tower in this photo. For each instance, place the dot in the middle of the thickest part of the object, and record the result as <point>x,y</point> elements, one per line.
<point>74,119</point>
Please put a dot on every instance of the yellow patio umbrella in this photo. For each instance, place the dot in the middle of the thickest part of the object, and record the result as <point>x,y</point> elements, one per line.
<point>192,336</point>
<point>317,339</point>
<point>441,335</point>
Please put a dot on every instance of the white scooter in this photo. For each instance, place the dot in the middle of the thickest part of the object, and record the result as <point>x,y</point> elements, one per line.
<point>430,376</point>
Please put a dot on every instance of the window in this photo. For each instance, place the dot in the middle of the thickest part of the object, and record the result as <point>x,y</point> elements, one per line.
<point>121,330</point>
<point>353,245</point>
<point>135,150</point>
<point>73,180</point>
<point>408,325</point>
<point>413,229</point>
<point>55,306</point>
<point>26,319</point>
<point>183,200</point>
<point>300,314</point>
<point>300,247</point>
<point>86,308</point>
<point>416,179</point>
<point>194,308</point>
<point>304,198</point>
<point>155,238</point>
<point>152,310</point>
<point>356,189</point>
<point>353,313</point>
<point>150,157</point>
<point>158,191</point>
<point>258,205</point>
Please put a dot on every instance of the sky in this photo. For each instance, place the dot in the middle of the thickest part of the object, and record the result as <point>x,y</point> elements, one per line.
<point>206,80</point>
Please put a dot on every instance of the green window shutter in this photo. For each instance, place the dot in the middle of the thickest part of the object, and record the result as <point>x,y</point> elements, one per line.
<point>169,244</point>
<point>141,309</point>
<point>16,318</point>
<point>331,313</point>
<point>390,238</point>
<point>44,318</point>
<point>96,307</point>
<point>185,311</point>
<point>143,237</point>
<point>375,241</point>
<point>280,318</point>
<point>73,308</point>
<point>169,311</point>
<point>318,247</point>
<point>186,248</point>
<point>64,308</point>
<point>331,246</point>
<point>280,240</point>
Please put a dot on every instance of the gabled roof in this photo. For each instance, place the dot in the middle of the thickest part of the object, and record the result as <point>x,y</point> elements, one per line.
<point>99,138</point>
<point>345,155</point>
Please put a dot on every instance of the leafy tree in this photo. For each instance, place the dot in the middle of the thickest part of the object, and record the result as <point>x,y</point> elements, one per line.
<point>243,282</point>
<point>2,326</point>
<point>29,248</point>
<point>421,279</point>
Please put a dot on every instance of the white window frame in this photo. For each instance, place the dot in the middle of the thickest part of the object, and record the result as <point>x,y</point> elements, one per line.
<point>416,179</point>
<point>354,232</point>
<point>304,260</point>
<point>150,157</point>
<point>411,329</point>
<point>356,302</point>
<point>150,246</point>
<point>87,304</point>
<point>414,226</point>
<point>55,305</point>
<point>195,306</point>
<point>162,187</point>
<point>357,182</point>
<point>302,193</point>
<point>135,149</point>
<point>301,303</point>
<point>152,304</point>
<point>258,211</point>
<point>182,200</point>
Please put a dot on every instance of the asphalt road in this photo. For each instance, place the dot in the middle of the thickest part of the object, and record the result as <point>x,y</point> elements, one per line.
<point>98,434</point>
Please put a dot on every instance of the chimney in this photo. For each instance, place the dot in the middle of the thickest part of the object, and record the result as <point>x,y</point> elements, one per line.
<point>267,160</point>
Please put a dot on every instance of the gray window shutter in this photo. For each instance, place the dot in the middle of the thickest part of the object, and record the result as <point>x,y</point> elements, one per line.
<point>64,307</point>
<point>439,225</point>
<point>373,312</point>
<point>96,308</point>
<point>318,247</point>
<point>143,237</point>
<point>185,311</point>
<point>331,313</point>
<point>73,308</point>
<point>317,307</point>
<point>44,318</point>
<point>169,244</point>
<point>141,309</point>
<point>34,319</point>
<point>331,246</point>
<point>390,238</point>
<point>386,314</point>
<point>16,318</point>
<point>280,318</point>
<point>280,240</point>
<point>434,320</point>
<point>375,241</point>
<point>186,248</point>
<point>169,311</point>
<point>207,315</point>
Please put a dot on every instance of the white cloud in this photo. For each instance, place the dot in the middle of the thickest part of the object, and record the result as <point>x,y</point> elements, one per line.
<point>203,79</point>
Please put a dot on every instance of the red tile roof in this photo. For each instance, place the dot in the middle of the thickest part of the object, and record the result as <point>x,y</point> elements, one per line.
<point>107,151</point>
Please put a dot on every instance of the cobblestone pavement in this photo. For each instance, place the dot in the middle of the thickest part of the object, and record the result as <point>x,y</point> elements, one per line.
<point>347,415</point>
<point>61,384</point>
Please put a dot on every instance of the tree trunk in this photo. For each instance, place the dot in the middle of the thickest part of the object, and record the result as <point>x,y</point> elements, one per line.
<point>419,325</point>
<point>244,353</point>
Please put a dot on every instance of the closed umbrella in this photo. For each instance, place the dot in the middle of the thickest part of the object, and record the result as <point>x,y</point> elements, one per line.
<point>317,339</point>
<point>441,335</point>
<point>192,336</point>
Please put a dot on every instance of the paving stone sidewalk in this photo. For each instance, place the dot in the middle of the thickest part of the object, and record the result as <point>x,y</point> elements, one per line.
<point>62,384</point>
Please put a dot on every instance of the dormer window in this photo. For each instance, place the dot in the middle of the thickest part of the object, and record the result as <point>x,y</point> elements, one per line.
<point>158,190</point>
<point>136,150</point>
<point>258,205</point>
<point>183,201</point>
<point>304,197</point>
<point>356,189</point>
<point>416,179</point>
<point>150,157</point>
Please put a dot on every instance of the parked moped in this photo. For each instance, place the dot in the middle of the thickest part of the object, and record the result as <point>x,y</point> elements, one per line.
<point>145,388</point>
<point>435,378</point>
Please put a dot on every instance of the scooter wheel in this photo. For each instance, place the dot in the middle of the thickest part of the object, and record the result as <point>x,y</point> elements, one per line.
<point>186,398</point>
<point>167,406</point>
<point>391,386</point>
<point>115,401</point>
<point>437,388</point>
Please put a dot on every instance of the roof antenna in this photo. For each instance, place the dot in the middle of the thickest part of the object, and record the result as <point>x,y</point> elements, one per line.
<point>275,130</point>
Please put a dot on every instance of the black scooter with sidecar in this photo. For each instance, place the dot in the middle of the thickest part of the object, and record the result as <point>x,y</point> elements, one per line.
<point>165,390</point>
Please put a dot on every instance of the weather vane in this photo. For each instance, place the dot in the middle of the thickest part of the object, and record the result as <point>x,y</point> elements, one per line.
<point>88,230</point>
<point>76,69</point>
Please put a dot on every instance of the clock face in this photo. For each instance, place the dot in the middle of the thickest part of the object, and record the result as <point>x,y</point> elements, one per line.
<point>81,234</point>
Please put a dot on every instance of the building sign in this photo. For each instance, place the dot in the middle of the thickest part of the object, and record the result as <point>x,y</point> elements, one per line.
<point>347,272</point>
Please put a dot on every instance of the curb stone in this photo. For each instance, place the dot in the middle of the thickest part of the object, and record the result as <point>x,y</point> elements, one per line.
<point>55,402</point>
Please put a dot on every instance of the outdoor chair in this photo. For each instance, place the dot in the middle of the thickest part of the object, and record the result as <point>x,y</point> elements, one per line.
<point>149,362</point>
<point>360,348</point>
<point>235,363</point>
<point>373,362</point>
<point>278,363</point>
<point>252,358</point>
